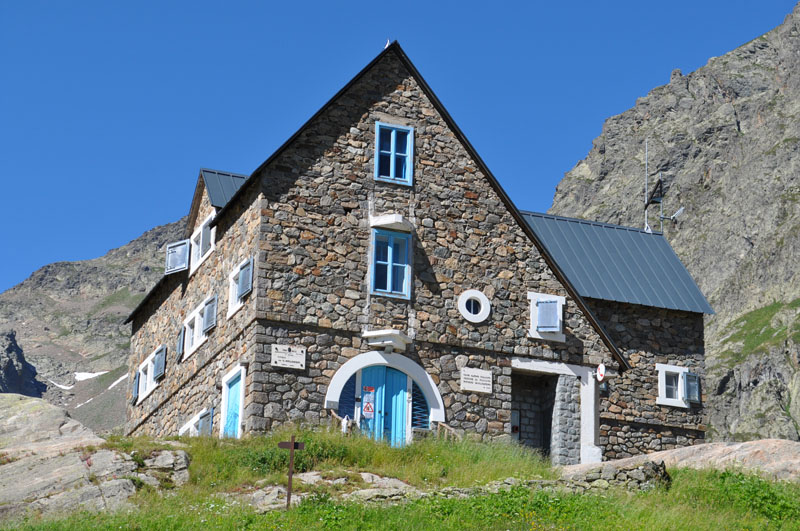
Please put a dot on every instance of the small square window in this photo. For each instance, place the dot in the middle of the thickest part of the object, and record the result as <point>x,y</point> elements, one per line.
<point>149,373</point>
<point>198,324</point>
<point>394,153</point>
<point>671,385</point>
<point>391,267</point>
<point>240,284</point>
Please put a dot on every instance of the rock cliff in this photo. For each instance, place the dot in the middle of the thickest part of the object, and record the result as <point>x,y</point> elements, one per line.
<point>70,346</point>
<point>725,139</point>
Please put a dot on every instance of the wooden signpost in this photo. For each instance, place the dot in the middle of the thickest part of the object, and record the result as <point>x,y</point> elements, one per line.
<point>292,446</point>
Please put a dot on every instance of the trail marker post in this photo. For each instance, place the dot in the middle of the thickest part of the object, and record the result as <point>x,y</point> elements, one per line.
<point>291,446</point>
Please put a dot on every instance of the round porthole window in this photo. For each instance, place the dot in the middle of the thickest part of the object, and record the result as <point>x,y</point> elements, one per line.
<point>474,306</point>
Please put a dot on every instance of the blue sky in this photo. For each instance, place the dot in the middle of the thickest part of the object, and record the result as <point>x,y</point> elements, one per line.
<point>109,109</point>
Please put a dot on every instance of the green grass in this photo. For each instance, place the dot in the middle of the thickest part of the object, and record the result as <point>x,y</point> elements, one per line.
<point>696,500</point>
<point>121,297</point>
<point>754,332</point>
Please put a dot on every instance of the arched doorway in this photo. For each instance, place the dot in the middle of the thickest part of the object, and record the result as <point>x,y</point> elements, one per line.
<point>388,396</point>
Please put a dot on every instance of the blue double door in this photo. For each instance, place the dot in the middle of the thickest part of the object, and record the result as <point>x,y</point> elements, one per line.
<point>384,398</point>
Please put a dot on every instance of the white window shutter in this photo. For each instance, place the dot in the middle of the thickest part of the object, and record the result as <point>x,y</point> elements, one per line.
<point>245,279</point>
<point>210,314</point>
<point>548,319</point>
<point>205,239</point>
<point>177,257</point>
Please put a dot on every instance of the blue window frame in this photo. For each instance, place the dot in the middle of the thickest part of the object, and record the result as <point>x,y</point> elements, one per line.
<point>391,269</point>
<point>394,153</point>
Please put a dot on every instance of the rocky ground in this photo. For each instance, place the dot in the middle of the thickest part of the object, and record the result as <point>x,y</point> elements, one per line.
<point>725,139</point>
<point>66,319</point>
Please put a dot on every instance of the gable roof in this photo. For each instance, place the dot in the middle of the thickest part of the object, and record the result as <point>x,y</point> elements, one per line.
<point>401,55</point>
<point>221,186</point>
<point>617,263</point>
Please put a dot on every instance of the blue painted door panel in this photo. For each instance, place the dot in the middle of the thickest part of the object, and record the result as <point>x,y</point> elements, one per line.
<point>394,419</point>
<point>232,414</point>
<point>373,378</point>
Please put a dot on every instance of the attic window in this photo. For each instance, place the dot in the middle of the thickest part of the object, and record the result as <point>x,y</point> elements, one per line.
<point>394,153</point>
<point>547,321</point>
<point>202,243</point>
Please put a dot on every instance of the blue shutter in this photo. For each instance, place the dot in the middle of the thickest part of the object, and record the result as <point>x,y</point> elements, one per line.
<point>179,346</point>
<point>210,314</point>
<point>548,316</point>
<point>159,363</point>
<point>177,257</point>
<point>135,393</point>
<point>691,387</point>
<point>245,279</point>
<point>420,413</point>
<point>204,424</point>
<point>347,400</point>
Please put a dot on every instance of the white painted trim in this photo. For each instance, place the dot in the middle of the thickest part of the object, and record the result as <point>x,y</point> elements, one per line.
<point>196,260</point>
<point>590,419</point>
<point>394,222</point>
<point>409,408</point>
<point>486,306</point>
<point>191,426</point>
<point>149,384</point>
<point>197,317</point>
<point>548,336</point>
<point>396,361</point>
<point>240,370</point>
<point>388,337</point>
<point>662,399</point>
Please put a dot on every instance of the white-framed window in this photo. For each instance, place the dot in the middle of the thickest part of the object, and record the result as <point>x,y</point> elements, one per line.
<point>200,424</point>
<point>394,153</point>
<point>672,385</point>
<point>150,372</point>
<point>547,316</point>
<point>196,327</point>
<point>391,263</point>
<point>474,306</point>
<point>240,284</point>
<point>232,408</point>
<point>202,243</point>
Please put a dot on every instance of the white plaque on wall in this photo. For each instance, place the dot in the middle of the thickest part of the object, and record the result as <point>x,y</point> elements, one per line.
<point>288,356</point>
<point>476,380</point>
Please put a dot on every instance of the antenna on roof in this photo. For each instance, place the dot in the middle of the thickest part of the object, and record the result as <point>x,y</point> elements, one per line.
<point>387,44</point>
<point>656,196</point>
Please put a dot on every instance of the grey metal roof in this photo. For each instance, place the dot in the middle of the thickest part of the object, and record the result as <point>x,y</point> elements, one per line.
<point>221,185</point>
<point>617,263</point>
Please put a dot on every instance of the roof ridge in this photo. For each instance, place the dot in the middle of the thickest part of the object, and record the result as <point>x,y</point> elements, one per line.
<point>222,172</point>
<point>590,222</point>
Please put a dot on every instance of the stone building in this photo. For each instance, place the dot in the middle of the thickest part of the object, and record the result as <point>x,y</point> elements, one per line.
<point>373,268</point>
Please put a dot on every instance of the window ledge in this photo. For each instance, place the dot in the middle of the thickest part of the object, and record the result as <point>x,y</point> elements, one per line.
<point>194,348</point>
<point>402,182</point>
<point>194,267</point>
<point>387,338</point>
<point>391,222</point>
<point>146,394</point>
<point>674,402</point>
<point>233,309</point>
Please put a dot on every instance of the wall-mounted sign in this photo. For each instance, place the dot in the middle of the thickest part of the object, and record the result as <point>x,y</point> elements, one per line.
<point>476,380</point>
<point>288,356</point>
<point>368,403</point>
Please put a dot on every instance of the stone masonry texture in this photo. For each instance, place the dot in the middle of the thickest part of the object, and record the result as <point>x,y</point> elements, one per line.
<point>304,217</point>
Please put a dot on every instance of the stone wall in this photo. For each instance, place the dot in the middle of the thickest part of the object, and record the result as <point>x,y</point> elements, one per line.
<point>630,420</point>
<point>565,447</point>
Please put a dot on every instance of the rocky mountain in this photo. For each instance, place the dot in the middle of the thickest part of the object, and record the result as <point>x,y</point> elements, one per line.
<point>725,140</point>
<point>69,345</point>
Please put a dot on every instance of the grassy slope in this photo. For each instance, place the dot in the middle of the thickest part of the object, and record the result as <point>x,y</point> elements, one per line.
<point>696,500</point>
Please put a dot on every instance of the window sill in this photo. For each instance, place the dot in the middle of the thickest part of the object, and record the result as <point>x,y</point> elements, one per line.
<point>391,295</point>
<point>402,182</point>
<point>194,267</point>
<point>673,402</point>
<point>232,310</point>
<point>148,393</point>
<point>194,348</point>
<point>548,336</point>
